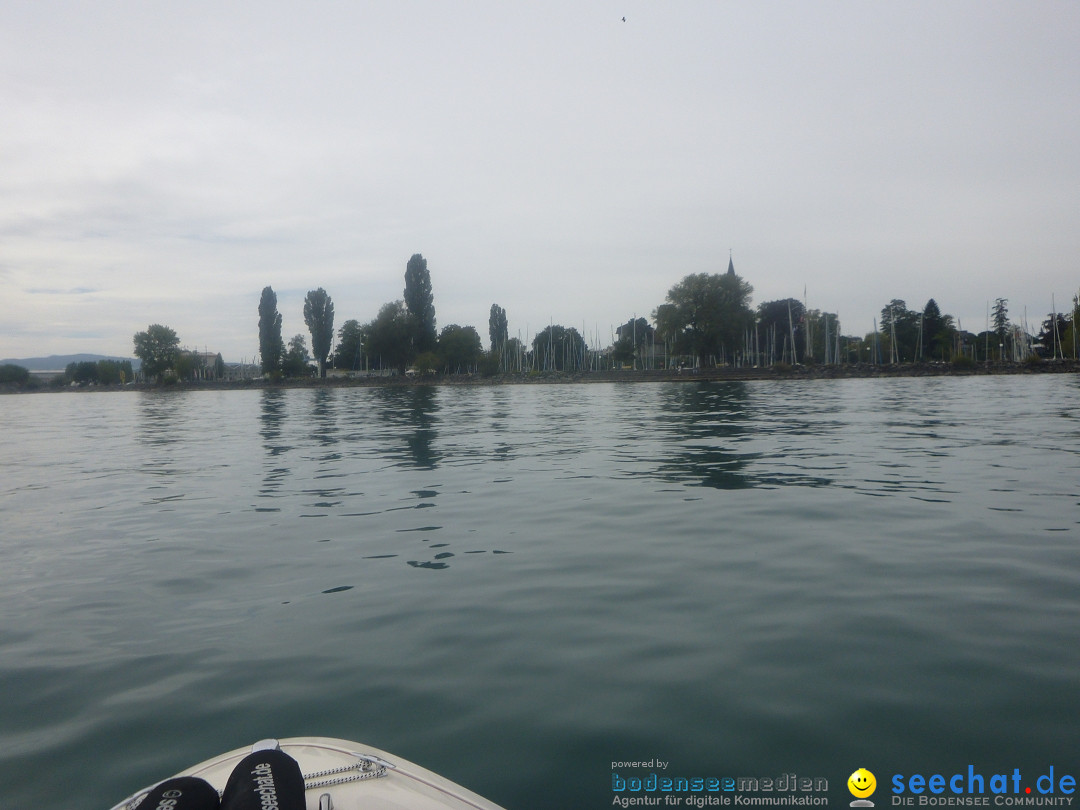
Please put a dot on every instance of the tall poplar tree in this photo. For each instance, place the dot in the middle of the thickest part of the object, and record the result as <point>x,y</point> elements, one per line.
<point>319,317</point>
<point>497,328</point>
<point>420,303</point>
<point>271,347</point>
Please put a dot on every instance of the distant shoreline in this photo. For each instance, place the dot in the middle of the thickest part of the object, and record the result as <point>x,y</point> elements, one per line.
<point>811,372</point>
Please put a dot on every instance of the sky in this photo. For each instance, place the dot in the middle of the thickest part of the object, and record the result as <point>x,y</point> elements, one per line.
<point>162,162</point>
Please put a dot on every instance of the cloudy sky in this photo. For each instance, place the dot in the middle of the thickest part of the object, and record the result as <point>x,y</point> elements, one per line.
<point>162,162</point>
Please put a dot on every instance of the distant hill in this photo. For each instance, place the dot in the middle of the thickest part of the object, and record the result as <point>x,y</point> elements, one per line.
<point>59,362</point>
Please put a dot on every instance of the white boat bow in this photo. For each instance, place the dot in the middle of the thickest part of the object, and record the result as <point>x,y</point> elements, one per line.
<point>344,775</point>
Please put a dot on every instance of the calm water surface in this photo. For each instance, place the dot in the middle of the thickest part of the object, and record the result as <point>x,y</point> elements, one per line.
<point>515,586</point>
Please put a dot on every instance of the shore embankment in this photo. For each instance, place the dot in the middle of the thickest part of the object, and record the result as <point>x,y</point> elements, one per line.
<point>722,374</point>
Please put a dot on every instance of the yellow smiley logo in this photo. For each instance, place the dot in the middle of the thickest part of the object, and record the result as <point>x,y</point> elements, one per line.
<point>861,783</point>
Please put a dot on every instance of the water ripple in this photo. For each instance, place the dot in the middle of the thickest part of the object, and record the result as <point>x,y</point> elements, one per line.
<point>741,576</point>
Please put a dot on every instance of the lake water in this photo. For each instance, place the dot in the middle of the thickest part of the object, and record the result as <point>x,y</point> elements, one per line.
<point>517,586</point>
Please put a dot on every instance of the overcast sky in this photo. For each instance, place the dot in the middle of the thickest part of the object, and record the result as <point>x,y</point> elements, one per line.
<point>162,162</point>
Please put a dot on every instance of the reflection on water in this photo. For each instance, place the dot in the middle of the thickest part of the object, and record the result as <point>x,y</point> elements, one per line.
<point>726,436</point>
<point>324,416</point>
<point>161,415</point>
<point>327,454</point>
<point>272,422</point>
<point>516,585</point>
<point>703,429</point>
<point>410,418</point>
<point>272,417</point>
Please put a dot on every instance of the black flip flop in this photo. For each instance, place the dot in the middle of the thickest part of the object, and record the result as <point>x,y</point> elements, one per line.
<point>182,793</point>
<point>265,779</point>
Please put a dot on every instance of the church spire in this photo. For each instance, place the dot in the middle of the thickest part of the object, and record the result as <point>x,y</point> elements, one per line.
<point>730,265</point>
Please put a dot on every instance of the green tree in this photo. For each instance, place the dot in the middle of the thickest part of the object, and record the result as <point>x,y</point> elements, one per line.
<point>426,363</point>
<point>1051,338</point>
<point>510,357</point>
<point>854,349</point>
<point>350,346</point>
<point>319,317</point>
<point>420,303</point>
<point>638,333</point>
<point>986,346</point>
<point>295,363</point>
<point>11,373</point>
<point>624,351</point>
<point>108,372</point>
<point>515,354</point>
<point>896,317</point>
<point>821,327</point>
<point>158,348</point>
<point>1071,338</point>
<point>1000,319</point>
<point>491,363</point>
<point>389,338</point>
<point>938,332</point>
<point>706,315</point>
<point>668,326</point>
<point>114,372</point>
<point>776,321</point>
<point>637,329</point>
<point>460,348</point>
<point>557,348</point>
<point>271,347</point>
<point>83,373</point>
<point>497,328</point>
<point>188,365</point>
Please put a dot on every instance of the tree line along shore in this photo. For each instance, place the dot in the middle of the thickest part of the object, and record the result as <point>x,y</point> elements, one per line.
<point>705,329</point>
<point>779,372</point>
